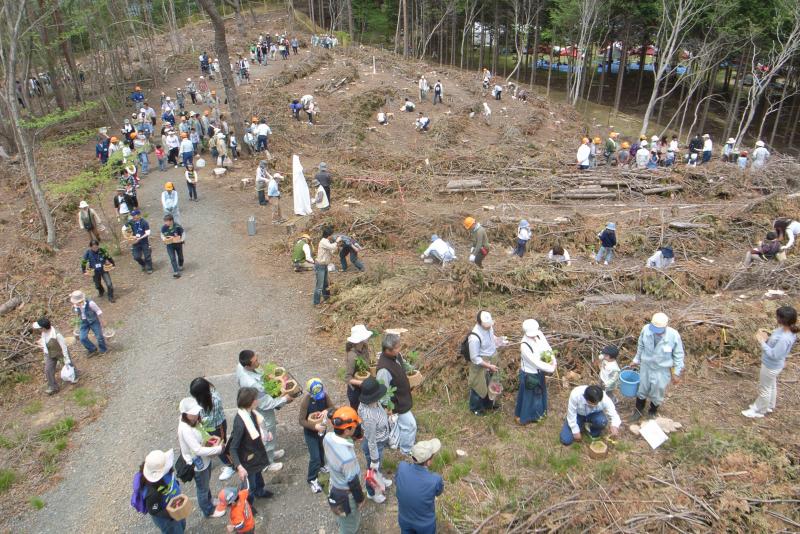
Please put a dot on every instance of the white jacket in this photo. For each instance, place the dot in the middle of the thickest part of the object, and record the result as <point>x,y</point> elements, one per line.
<point>531,350</point>
<point>583,154</point>
<point>578,406</point>
<point>192,449</point>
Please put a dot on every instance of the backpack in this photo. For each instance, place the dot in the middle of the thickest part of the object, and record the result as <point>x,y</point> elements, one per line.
<point>137,497</point>
<point>464,347</point>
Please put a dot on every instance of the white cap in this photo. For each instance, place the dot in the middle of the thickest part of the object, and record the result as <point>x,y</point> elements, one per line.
<point>643,143</point>
<point>422,451</point>
<point>759,143</point>
<point>157,464</point>
<point>485,319</point>
<point>83,204</point>
<point>531,327</point>
<point>189,406</point>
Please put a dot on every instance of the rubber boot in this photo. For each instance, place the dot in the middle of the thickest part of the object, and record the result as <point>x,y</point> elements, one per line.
<point>653,411</point>
<point>637,413</point>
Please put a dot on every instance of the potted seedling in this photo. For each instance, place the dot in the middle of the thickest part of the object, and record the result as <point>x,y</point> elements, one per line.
<point>548,355</point>
<point>271,370</point>
<point>387,398</point>
<point>415,378</point>
<point>76,326</point>
<point>291,388</point>
<point>316,418</point>
<point>179,507</point>
<point>597,447</point>
<point>206,437</point>
<point>362,369</point>
<point>495,386</point>
<point>272,387</point>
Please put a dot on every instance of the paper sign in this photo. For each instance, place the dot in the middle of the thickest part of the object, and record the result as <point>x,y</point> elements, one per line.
<point>653,434</point>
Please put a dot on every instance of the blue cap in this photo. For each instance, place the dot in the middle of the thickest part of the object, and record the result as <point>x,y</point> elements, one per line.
<point>524,224</point>
<point>315,389</point>
<point>134,213</point>
<point>611,226</point>
<point>434,237</point>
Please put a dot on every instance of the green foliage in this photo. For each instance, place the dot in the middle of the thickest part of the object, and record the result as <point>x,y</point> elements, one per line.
<point>7,443</point>
<point>703,445</point>
<point>442,460</point>
<point>58,117</point>
<point>7,479</point>
<point>563,459</point>
<point>60,444</point>
<point>75,139</point>
<point>387,399</point>
<point>22,378</point>
<point>459,470</point>
<point>37,503</point>
<point>33,407</point>
<point>58,430</point>
<point>84,397</point>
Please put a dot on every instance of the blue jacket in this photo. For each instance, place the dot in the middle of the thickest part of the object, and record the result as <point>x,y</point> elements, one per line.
<point>137,96</point>
<point>608,238</point>
<point>665,350</point>
<point>95,260</point>
<point>417,489</point>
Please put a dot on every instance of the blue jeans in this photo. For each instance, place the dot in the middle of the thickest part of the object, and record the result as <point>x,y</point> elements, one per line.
<point>321,288</point>
<point>175,253</point>
<point>98,333</point>
<point>187,158</point>
<point>257,487</point>
<point>144,162</point>
<point>167,525</point>
<point>597,423</point>
<point>519,250</point>
<point>142,254</point>
<point>416,529</point>
<point>706,156</point>
<point>365,447</point>
<point>261,143</point>
<point>316,454</point>
<point>201,481</point>
<point>408,431</point>
<point>162,164</point>
<point>604,254</point>
<point>347,249</point>
<point>478,403</point>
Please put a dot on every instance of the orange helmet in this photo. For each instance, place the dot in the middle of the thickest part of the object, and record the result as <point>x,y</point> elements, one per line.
<point>206,113</point>
<point>254,119</point>
<point>597,140</point>
<point>169,186</point>
<point>114,139</point>
<point>626,144</point>
<point>344,418</point>
<point>585,140</point>
<point>468,222</point>
<point>213,92</point>
<point>133,135</point>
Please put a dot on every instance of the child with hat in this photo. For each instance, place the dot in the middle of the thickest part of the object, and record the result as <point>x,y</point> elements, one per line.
<point>523,236</point>
<point>241,516</point>
<point>608,240</point>
<point>609,370</point>
<point>315,400</point>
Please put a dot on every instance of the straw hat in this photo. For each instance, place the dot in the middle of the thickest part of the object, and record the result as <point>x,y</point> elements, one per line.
<point>77,296</point>
<point>359,333</point>
<point>759,143</point>
<point>731,140</point>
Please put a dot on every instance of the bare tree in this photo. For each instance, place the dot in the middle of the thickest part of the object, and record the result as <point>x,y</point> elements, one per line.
<point>471,10</point>
<point>221,47</point>
<point>524,13</point>
<point>12,36</point>
<point>677,18</point>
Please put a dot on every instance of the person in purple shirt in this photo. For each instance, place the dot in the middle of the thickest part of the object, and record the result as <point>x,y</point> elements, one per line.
<point>417,489</point>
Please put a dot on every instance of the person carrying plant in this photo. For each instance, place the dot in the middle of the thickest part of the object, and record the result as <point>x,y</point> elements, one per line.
<point>357,359</point>
<point>159,484</point>
<point>588,409</point>
<point>482,350</point>
<point>392,373</point>
<point>197,448</point>
<point>91,318</point>
<point>537,361</point>
<point>375,422</point>
<point>608,240</point>
<point>55,348</point>
<point>173,235</point>
<point>94,263</point>
<point>660,356</point>
<point>139,230</point>
<point>346,496</point>
<point>250,375</point>
<point>315,401</point>
<point>417,489</point>
<point>247,445</point>
<point>325,251</point>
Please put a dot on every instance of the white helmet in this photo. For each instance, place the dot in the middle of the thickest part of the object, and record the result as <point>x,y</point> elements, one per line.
<point>188,79</point>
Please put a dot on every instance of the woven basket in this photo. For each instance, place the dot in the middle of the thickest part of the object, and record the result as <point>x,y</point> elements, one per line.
<point>179,507</point>
<point>415,378</point>
<point>291,388</point>
<point>361,375</point>
<point>316,417</point>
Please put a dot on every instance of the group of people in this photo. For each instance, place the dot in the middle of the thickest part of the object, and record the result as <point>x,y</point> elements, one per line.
<point>330,433</point>
<point>661,152</point>
<point>325,41</point>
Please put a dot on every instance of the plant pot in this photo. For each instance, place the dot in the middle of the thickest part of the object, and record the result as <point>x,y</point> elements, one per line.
<point>179,507</point>
<point>495,390</point>
<point>108,267</point>
<point>361,375</point>
<point>373,370</point>
<point>279,373</point>
<point>109,333</point>
<point>290,388</point>
<point>213,441</point>
<point>415,378</point>
<point>76,332</point>
<point>316,417</point>
<point>598,450</point>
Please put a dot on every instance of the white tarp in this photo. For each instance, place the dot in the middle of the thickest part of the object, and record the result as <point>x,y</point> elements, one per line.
<point>302,198</point>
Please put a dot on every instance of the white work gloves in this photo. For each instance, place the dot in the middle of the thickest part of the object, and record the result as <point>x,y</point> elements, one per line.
<point>472,258</point>
<point>374,465</point>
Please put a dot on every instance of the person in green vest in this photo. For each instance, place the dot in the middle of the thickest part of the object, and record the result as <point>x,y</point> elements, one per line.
<point>302,260</point>
<point>55,348</point>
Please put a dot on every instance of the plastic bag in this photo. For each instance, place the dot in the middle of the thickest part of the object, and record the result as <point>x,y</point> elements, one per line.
<point>200,163</point>
<point>394,431</point>
<point>68,373</point>
<point>374,481</point>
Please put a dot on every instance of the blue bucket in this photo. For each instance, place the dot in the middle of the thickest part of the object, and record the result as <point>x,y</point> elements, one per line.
<point>629,382</point>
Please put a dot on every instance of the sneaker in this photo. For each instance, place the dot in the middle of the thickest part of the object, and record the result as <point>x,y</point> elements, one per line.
<point>278,454</point>
<point>387,482</point>
<point>277,466</point>
<point>176,275</point>
<point>752,414</point>
<point>265,494</point>
<point>635,416</point>
<point>315,486</point>
<point>324,469</point>
<point>227,472</point>
<point>378,498</point>
<point>51,391</point>
<point>770,410</point>
<point>605,263</point>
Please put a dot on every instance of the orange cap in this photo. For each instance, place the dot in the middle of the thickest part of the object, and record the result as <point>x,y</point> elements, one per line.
<point>585,140</point>
<point>133,135</point>
<point>206,113</point>
<point>626,144</point>
<point>114,139</point>
<point>169,186</point>
<point>597,140</point>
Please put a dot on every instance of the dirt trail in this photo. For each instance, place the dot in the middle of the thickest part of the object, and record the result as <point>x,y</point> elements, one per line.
<point>171,331</point>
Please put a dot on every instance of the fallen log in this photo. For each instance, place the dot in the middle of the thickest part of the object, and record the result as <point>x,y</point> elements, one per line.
<point>10,305</point>
<point>665,189</point>
<point>581,196</point>
<point>597,300</point>
<point>687,225</point>
<point>463,184</point>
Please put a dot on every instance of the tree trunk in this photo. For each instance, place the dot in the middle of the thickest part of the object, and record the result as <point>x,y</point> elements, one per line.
<point>55,81</point>
<point>733,107</point>
<point>642,59</point>
<point>406,32</point>
<point>350,26</point>
<point>708,96</point>
<point>787,81</point>
<point>623,62</point>
<point>66,50</point>
<point>535,59</point>
<point>604,64</point>
<point>496,36</point>
<point>221,47</point>
<point>796,113</point>
<point>483,41</point>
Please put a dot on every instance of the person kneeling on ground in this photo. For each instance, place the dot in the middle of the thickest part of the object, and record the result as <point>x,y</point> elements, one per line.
<point>559,255</point>
<point>662,258</point>
<point>438,251</point>
<point>408,106</point>
<point>422,123</point>
<point>589,408</point>
<point>383,118</point>
<point>301,254</point>
<point>766,250</point>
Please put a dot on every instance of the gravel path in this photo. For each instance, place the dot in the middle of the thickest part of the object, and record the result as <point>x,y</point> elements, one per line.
<point>174,330</point>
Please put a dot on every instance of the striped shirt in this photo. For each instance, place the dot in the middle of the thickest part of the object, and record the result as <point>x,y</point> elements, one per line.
<point>340,455</point>
<point>216,416</point>
<point>376,426</point>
